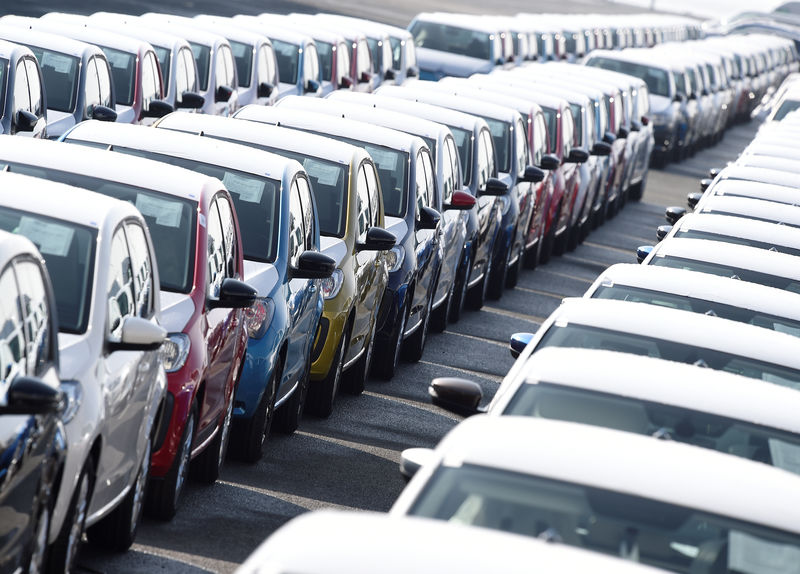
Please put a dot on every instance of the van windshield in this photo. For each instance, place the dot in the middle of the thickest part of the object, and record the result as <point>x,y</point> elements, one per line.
<point>60,76</point>
<point>657,79</point>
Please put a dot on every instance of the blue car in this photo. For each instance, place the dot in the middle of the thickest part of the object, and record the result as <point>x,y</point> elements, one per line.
<point>280,238</point>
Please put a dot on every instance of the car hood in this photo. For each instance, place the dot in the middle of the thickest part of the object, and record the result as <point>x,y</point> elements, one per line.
<point>659,104</point>
<point>445,64</point>
<point>58,123</point>
<point>176,310</point>
<point>261,276</point>
<point>75,354</point>
<point>334,248</point>
<point>125,114</point>
<point>397,226</point>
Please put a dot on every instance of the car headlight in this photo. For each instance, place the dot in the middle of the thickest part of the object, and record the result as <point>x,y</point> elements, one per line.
<point>73,395</point>
<point>258,317</point>
<point>174,351</point>
<point>395,257</point>
<point>331,286</point>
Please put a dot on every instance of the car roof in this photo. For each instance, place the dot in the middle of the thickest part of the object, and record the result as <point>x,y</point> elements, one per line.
<point>753,173</point>
<point>46,40</point>
<point>212,151</point>
<point>754,189</point>
<point>153,36</point>
<point>449,100</point>
<point>108,165</point>
<point>318,33</point>
<point>423,546</point>
<point>84,32</point>
<point>667,471</point>
<point>273,31</point>
<point>657,380</point>
<point>352,129</point>
<point>733,226</point>
<point>751,207</point>
<point>228,28</point>
<point>262,134</point>
<point>10,50</point>
<point>182,26</point>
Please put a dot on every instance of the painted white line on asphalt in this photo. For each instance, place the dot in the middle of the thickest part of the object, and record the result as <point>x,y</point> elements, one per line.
<point>568,276</point>
<point>490,376</point>
<point>513,314</point>
<point>428,407</point>
<point>474,338</point>
<point>301,501</point>
<point>542,293</point>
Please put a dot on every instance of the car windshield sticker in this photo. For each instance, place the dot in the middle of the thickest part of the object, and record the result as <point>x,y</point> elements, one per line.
<point>167,213</point>
<point>784,455</point>
<point>325,173</point>
<point>750,555</point>
<point>787,329</point>
<point>386,159</point>
<point>249,189</point>
<point>61,64</point>
<point>50,238</point>
<point>118,59</point>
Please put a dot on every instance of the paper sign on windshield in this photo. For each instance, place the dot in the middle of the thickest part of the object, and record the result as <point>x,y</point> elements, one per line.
<point>60,63</point>
<point>167,213</point>
<point>325,173</point>
<point>750,555</point>
<point>50,238</point>
<point>386,160</point>
<point>784,455</point>
<point>248,189</point>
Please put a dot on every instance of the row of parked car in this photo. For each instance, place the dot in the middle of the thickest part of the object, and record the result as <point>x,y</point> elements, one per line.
<point>215,277</point>
<point>652,420</point>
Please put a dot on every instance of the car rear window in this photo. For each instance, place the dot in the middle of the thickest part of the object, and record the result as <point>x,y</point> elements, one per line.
<point>452,39</point>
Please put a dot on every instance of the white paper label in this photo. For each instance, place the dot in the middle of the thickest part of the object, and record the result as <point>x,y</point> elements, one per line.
<point>750,555</point>
<point>248,189</point>
<point>784,455</point>
<point>324,173</point>
<point>50,238</point>
<point>117,59</point>
<point>60,63</point>
<point>167,213</point>
<point>386,160</point>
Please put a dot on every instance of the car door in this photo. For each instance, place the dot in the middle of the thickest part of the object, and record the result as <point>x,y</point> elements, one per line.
<point>297,289</point>
<point>27,97</point>
<point>311,296</point>
<point>150,84</point>
<point>425,239</point>
<point>225,77</point>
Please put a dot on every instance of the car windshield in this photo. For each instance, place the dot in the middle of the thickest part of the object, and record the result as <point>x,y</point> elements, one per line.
<point>657,79</point>
<point>202,55</point>
<point>723,208</point>
<point>786,107</point>
<point>636,415</point>
<point>60,77</point>
<point>651,531</point>
<point>172,221</point>
<point>586,337</point>
<point>163,54</point>
<point>713,236</point>
<point>325,56</point>
<point>452,39</point>
<point>123,70</point>
<point>463,140</point>
<point>288,56</point>
<point>243,54</point>
<point>68,249</point>
<point>502,142</point>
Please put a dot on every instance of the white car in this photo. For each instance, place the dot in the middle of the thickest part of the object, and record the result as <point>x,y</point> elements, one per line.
<point>100,258</point>
<point>397,545</point>
<point>651,501</point>
<point>745,207</point>
<point>755,190</point>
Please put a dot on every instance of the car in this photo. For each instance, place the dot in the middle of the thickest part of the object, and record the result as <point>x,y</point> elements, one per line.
<point>353,294</point>
<point>790,165</point>
<point>202,296</point>
<point>750,173</point>
<point>444,177</point>
<point>271,197</point>
<point>23,109</point>
<point>422,545</point>
<point>744,207</point>
<point>32,445</point>
<point>741,188</point>
<point>136,74</point>
<point>76,78</point>
<point>105,285</point>
<point>656,502</point>
<point>689,404</point>
<point>414,262</point>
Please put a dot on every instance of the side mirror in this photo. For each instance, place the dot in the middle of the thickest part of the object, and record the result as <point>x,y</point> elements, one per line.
<point>311,87</point>
<point>25,121</point>
<point>32,396</point>
<point>645,121</point>
<point>264,90</point>
<point>499,61</point>
<point>138,335</point>
<point>346,82</point>
<point>234,294</point>
<point>157,109</point>
<point>705,92</point>
<point>692,96</point>
<point>389,74</point>
<point>461,200</point>
<point>693,198</point>
<point>377,239</point>
<point>663,231</point>
<point>518,342</point>
<point>314,265</point>
<point>412,72</point>
<point>365,78</point>
<point>494,187</point>
<point>412,459</point>
<point>577,155</point>
<point>713,172</point>
<point>635,126</point>
<point>532,174</point>
<point>705,184</point>
<point>674,213</point>
<point>622,133</point>
<point>642,252</point>
<point>459,396</point>
<point>191,101</point>
<point>678,98</point>
<point>428,218</point>
<point>549,162</point>
<point>601,148</point>
<point>103,114</point>
<point>223,94</point>
<point>609,138</point>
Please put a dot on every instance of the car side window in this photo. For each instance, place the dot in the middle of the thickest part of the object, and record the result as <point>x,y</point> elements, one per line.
<point>307,204</point>
<point>522,146</point>
<point>181,77</point>
<point>35,86</point>
<point>104,78</point>
<point>151,86</point>
<point>449,178</point>
<point>225,68</point>
<point>191,69</point>
<point>362,203</point>
<point>296,228</point>
<point>216,251</point>
<point>484,164</point>
<point>22,99</point>
<point>120,285</point>
<point>430,179</point>
<point>488,143</point>
<point>229,240</point>
<point>455,165</point>
<point>262,66</point>
<point>92,91</point>
<point>364,58</point>
<point>539,138</point>
<point>342,63</point>
<point>567,129</point>
<point>311,63</point>
<point>12,339</point>
<point>142,265</point>
<point>421,183</point>
<point>374,189</point>
<point>35,315</point>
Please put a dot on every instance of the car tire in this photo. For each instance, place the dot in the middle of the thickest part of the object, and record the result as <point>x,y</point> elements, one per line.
<point>287,417</point>
<point>497,279</point>
<point>387,356</point>
<point>207,466</point>
<point>64,550</point>
<point>459,298</point>
<point>549,240</point>
<point>354,379</point>
<point>476,295</point>
<point>438,321</point>
<point>163,496</point>
<point>249,435</point>
<point>117,531</point>
<point>414,346</point>
<point>322,394</point>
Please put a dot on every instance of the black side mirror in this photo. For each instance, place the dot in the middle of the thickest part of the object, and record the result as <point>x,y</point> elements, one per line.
<point>609,138</point>
<point>223,94</point>
<point>693,198</point>
<point>412,72</point>
<point>346,82</point>
<point>32,396</point>
<point>311,87</point>
<point>103,114</point>
<point>622,133</point>
<point>191,101</point>
<point>459,396</point>
<point>635,126</point>
<point>25,121</point>
<point>389,74</point>
<point>663,231</point>
<point>428,218</point>
<point>377,239</point>
<point>313,265</point>
<point>532,174</point>
<point>577,155</point>
<point>692,96</point>
<point>157,109</point>
<point>233,294</point>
<point>705,184</point>
<point>494,187</point>
<point>549,162</point>
<point>518,342</point>
<point>713,172</point>
<point>642,252</point>
<point>674,213</point>
<point>678,98</point>
<point>601,148</point>
<point>264,90</point>
<point>364,78</point>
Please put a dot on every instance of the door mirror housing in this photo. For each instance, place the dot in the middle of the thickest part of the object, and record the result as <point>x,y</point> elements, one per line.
<point>693,198</point>
<point>494,187</point>
<point>705,184</point>
<point>223,94</point>
<point>377,239</point>
<point>32,396</point>
<point>642,252</point>
<point>313,265</point>
<point>25,121</point>
<point>412,72</point>
<point>549,162</point>
<point>428,218</point>
<point>389,74</point>
<point>459,396</point>
<point>191,101</point>
<point>577,155</point>
<point>346,82</point>
<point>713,172</point>
<point>623,133</point>
<point>412,459</point>
<point>532,174</point>
<point>311,87</point>
<point>234,294</point>
<point>365,78</point>
<point>601,149</point>
<point>645,121</point>
<point>635,126</point>
<point>461,200</point>
<point>678,98</point>
<point>103,114</point>
<point>674,213</point>
<point>264,90</point>
<point>138,334</point>
<point>609,138</point>
<point>663,231</point>
<point>518,342</point>
<point>157,109</point>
